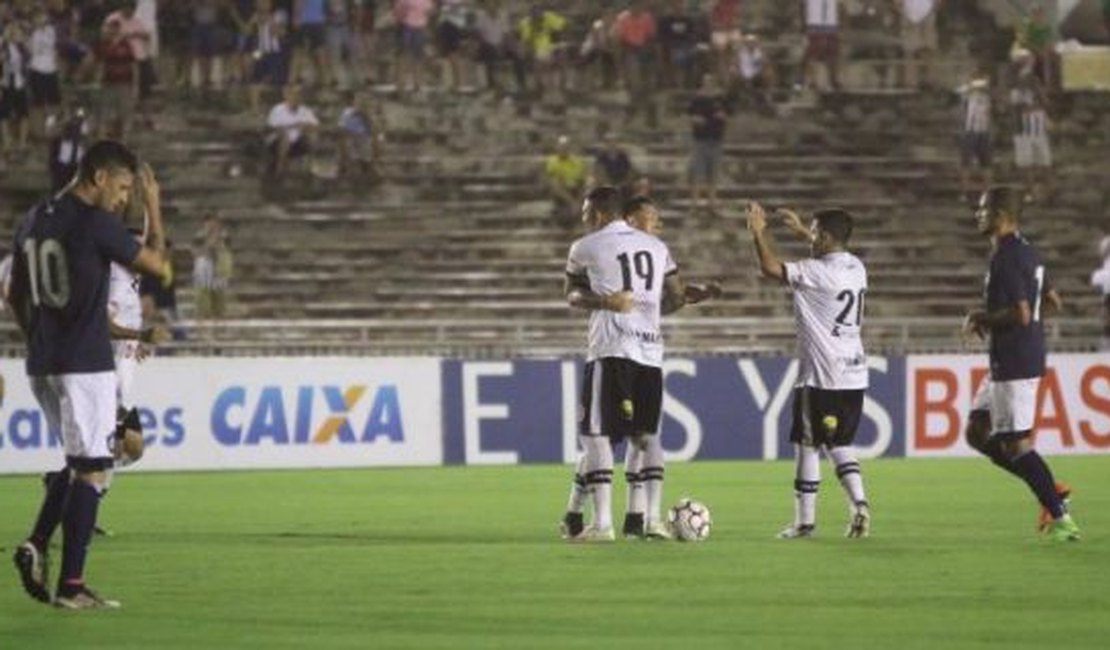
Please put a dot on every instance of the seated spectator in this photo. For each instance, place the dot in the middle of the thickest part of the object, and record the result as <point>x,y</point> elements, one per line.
<point>67,135</point>
<point>612,165</point>
<point>565,178</point>
<point>212,268</point>
<point>539,39</point>
<point>292,126</point>
<point>118,76</point>
<point>360,139</point>
<point>753,76</point>
<point>1100,280</point>
<point>265,40</point>
<point>680,33</point>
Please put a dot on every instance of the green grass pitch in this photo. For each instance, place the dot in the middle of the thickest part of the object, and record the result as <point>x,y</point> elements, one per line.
<point>470,558</point>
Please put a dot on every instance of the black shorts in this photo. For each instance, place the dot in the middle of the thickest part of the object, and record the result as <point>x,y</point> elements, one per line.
<point>310,36</point>
<point>147,78</point>
<point>620,398</point>
<point>826,417</point>
<point>45,89</point>
<point>15,103</point>
<point>976,148</point>
<point>450,38</point>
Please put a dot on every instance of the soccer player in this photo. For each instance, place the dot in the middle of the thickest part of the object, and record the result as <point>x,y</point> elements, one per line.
<point>59,294</point>
<point>829,291</point>
<point>1004,408</point>
<point>627,280</point>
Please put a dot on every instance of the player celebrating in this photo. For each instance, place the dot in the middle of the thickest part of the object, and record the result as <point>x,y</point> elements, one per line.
<point>1003,410</point>
<point>829,292</point>
<point>627,280</point>
<point>59,294</point>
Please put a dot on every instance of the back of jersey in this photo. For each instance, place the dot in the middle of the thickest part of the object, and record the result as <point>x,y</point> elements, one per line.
<point>619,258</point>
<point>829,295</point>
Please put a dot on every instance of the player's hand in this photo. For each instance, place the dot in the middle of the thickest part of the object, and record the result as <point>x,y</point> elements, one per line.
<point>620,302</point>
<point>156,335</point>
<point>791,220</point>
<point>696,293</point>
<point>973,327</point>
<point>757,218</point>
<point>152,193</point>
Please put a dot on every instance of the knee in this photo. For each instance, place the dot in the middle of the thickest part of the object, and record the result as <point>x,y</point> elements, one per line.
<point>978,430</point>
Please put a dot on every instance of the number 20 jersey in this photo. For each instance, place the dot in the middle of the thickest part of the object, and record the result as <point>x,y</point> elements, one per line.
<point>829,296</point>
<point>618,258</point>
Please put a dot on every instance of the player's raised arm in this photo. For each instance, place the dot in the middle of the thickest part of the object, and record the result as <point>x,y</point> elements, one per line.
<point>769,264</point>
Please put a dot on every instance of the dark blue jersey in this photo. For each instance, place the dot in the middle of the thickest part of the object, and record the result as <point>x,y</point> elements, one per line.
<point>1016,273</point>
<point>62,252</point>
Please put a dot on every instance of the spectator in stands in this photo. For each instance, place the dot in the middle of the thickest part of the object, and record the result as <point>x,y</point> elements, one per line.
<point>292,127</point>
<point>612,164</point>
<point>919,41</point>
<point>204,45</point>
<point>680,32</point>
<point>753,77</point>
<point>67,133</point>
<point>493,32</point>
<point>265,41</point>
<point>138,36</point>
<point>15,97</point>
<point>1032,151</point>
<point>452,33</point>
<point>340,40</point>
<point>360,138</point>
<point>43,73</point>
<point>635,32</point>
<point>412,20</point>
<point>724,26</point>
<point>307,24</point>
<point>1100,279</point>
<point>565,177</point>
<point>118,79</point>
<point>539,34</point>
<point>212,268</point>
<point>365,21</point>
<point>975,139</point>
<point>1035,35</point>
<point>599,49</point>
<point>822,26</point>
<point>241,13</point>
<point>708,118</point>
<point>78,62</point>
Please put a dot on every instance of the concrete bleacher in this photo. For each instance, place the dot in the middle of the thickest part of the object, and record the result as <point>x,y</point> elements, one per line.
<point>455,252</point>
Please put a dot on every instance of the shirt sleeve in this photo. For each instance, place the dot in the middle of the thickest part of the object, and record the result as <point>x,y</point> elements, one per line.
<point>576,260</point>
<point>804,275</point>
<point>112,239</point>
<point>670,266</point>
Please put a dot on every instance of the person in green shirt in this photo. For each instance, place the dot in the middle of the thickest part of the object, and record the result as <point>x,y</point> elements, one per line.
<point>565,176</point>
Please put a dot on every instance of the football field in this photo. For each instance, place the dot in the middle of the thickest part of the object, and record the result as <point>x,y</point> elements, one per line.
<point>470,558</point>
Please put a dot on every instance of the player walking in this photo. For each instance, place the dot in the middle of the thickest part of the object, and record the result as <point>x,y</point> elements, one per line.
<point>627,279</point>
<point>829,292</point>
<point>59,293</point>
<point>1004,408</point>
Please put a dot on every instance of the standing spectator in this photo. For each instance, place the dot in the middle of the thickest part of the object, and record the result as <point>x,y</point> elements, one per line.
<point>1035,35</point>
<point>492,29</point>
<point>307,25</point>
<point>565,177</point>
<point>242,11</point>
<point>679,35</point>
<point>1100,279</point>
<point>539,38</point>
<point>612,165</point>
<point>337,35</point>
<point>454,24</point>
<point>822,24</point>
<point>360,138</point>
<point>118,79</point>
<point>412,19</point>
<point>724,26</point>
<point>708,118</point>
<point>212,268</point>
<point>43,73</point>
<point>292,126</point>
<point>1032,151</point>
<point>138,36</point>
<point>265,41</point>
<point>15,101</point>
<point>204,46</point>
<point>975,141</point>
<point>76,58</point>
<point>599,49</point>
<point>67,145</point>
<point>754,77</point>
<point>635,31</point>
<point>365,21</point>
<point>919,41</point>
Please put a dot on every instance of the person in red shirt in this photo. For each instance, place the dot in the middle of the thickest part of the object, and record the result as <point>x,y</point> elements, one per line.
<point>635,33</point>
<point>118,82</point>
<point>724,26</point>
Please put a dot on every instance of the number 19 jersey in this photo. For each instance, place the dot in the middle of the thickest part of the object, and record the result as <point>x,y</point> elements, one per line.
<point>829,294</point>
<point>618,258</point>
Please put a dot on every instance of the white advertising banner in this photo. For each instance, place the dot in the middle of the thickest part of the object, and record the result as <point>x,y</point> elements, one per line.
<point>1072,404</point>
<point>219,413</point>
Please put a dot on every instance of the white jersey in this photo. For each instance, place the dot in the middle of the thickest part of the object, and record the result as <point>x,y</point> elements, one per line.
<point>829,294</point>
<point>618,258</point>
<point>124,309</point>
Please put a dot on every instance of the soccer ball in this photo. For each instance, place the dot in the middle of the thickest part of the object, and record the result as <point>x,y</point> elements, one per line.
<point>689,520</point>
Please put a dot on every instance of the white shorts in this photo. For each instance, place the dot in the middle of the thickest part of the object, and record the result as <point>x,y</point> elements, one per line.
<point>1032,151</point>
<point>126,362</point>
<point>1012,404</point>
<point>83,408</point>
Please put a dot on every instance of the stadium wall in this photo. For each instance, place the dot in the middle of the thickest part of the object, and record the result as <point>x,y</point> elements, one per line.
<point>218,413</point>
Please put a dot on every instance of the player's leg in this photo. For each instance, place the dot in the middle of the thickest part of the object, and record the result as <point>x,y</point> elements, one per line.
<point>807,470</point>
<point>648,400</point>
<point>978,430</point>
<point>840,412</point>
<point>597,448</point>
<point>572,523</point>
<point>88,409</point>
<point>636,502</point>
<point>654,527</point>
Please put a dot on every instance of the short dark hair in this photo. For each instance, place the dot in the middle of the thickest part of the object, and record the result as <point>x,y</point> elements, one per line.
<point>836,222</point>
<point>605,199</point>
<point>108,155</point>
<point>1005,198</point>
<point>634,204</point>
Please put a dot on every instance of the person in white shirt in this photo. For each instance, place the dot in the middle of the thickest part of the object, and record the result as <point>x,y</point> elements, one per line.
<point>822,25</point>
<point>627,280</point>
<point>14,95</point>
<point>829,292</point>
<point>975,139</point>
<point>754,75</point>
<point>292,126</point>
<point>42,71</point>
<point>919,39</point>
<point>1100,279</point>
<point>1032,149</point>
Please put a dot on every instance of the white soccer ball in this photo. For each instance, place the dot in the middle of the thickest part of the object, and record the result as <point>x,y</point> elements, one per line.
<point>690,520</point>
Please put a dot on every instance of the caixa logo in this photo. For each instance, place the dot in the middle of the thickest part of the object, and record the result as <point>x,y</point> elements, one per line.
<point>306,415</point>
<point>27,429</point>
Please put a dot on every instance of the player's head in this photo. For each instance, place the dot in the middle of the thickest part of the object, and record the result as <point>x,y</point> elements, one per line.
<point>640,211</point>
<point>106,173</point>
<point>830,231</point>
<point>291,93</point>
<point>999,209</point>
<point>602,205</point>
